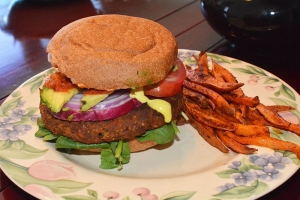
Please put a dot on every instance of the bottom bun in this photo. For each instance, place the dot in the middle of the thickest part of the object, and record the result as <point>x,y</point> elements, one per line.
<point>136,146</point>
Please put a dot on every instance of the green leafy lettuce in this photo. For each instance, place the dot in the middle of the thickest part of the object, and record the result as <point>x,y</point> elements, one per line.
<point>162,135</point>
<point>113,154</point>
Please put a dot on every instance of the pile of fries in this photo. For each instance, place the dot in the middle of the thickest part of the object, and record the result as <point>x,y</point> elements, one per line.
<point>225,117</point>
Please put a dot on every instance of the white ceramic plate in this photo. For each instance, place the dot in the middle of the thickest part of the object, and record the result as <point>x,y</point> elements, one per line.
<point>188,168</point>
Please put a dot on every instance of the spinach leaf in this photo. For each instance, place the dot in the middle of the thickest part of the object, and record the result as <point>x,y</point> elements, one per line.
<point>64,142</point>
<point>115,156</point>
<point>108,159</point>
<point>43,132</point>
<point>125,153</point>
<point>162,135</point>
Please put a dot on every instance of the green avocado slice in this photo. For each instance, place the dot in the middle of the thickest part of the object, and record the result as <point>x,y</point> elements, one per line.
<point>56,100</point>
<point>90,100</point>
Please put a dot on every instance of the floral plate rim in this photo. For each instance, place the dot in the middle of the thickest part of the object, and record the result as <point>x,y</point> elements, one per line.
<point>246,177</point>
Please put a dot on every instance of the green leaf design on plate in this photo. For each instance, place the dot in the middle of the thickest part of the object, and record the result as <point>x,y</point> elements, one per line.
<point>93,193</point>
<point>243,191</point>
<point>19,144</point>
<point>242,70</point>
<point>246,165</point>
<point>16,94</point>
<point>190,61</point>
<point>78,197</point>
<point>37,81</point>
<point>291,155</point>
<point>36,85</point>
<point>284,102</point>
<point>32,111</point>
<point>270,80</point>
<point>4,144</point>
<point>236,61</point>
<point>20,174</point>
<point>20,150</point>
<point>250,70</point>
<point>178,195</point>
<point>256,70</point>
<point>33,80</point>
<point>276,94</point>
<point>219,58</point>
<point>9,105</point>
<point>287,92</point>
<point>92,196</point>
<point>226,173</point>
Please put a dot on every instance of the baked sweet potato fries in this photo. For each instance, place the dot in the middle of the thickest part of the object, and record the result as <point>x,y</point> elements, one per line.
<point>225,117</point>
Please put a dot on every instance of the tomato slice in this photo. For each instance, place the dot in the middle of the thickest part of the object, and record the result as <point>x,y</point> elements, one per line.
<point>171,85</point>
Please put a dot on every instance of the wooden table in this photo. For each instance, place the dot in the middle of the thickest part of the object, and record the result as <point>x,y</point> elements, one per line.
<point>27,26</point>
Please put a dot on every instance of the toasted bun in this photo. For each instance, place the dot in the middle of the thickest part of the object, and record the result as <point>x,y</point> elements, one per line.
<point>109,52</point>
<point>136,146</point>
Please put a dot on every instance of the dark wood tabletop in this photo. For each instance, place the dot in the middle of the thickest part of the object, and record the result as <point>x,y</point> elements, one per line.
<point>28,25</point>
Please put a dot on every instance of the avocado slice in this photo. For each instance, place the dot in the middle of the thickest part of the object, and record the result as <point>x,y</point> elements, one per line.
<point>55,100</point>
<point>90,100</point>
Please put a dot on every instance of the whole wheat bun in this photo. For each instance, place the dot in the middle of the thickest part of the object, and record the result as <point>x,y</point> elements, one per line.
<point>136,146</point>
<point>109,52</point>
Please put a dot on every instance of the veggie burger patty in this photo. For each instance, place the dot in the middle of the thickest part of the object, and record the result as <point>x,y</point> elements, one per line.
<point>127,127</point>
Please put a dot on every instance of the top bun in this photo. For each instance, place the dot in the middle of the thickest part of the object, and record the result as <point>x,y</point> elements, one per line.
<point>109,52</point>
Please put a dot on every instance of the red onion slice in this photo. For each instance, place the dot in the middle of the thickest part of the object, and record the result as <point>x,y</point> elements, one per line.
<point>115,105</point>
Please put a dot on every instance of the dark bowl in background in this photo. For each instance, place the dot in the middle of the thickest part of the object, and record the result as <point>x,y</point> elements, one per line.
<point>260,25</point>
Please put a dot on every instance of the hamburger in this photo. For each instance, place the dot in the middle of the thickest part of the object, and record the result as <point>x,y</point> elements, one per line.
<point>116,89</point>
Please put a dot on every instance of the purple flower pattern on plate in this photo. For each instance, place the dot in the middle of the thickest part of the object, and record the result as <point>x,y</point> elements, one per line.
<point>249,175</point>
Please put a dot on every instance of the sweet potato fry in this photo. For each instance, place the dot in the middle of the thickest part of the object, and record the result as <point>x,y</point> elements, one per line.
<point>269,142</point>
<point>216,73</point>
<point>207,134</point>
<point>210,82</point>
<point>271,116</point>
<point>251,130</point>
<point>228,77</point>
<point>280,108</point>
<point>200,99</point>
<point>202,62</point>
<point>294,128</point>
<point>218,100</point>
<point>255,118</point>
<point>244,112</point>
<point>234,145</point>
<point>207,116</point>
<point>232,119</point>
<point>226,117</point>
<point>244,100</point>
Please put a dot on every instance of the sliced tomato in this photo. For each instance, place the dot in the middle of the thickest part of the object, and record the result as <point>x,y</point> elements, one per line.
<point>171,85</point>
